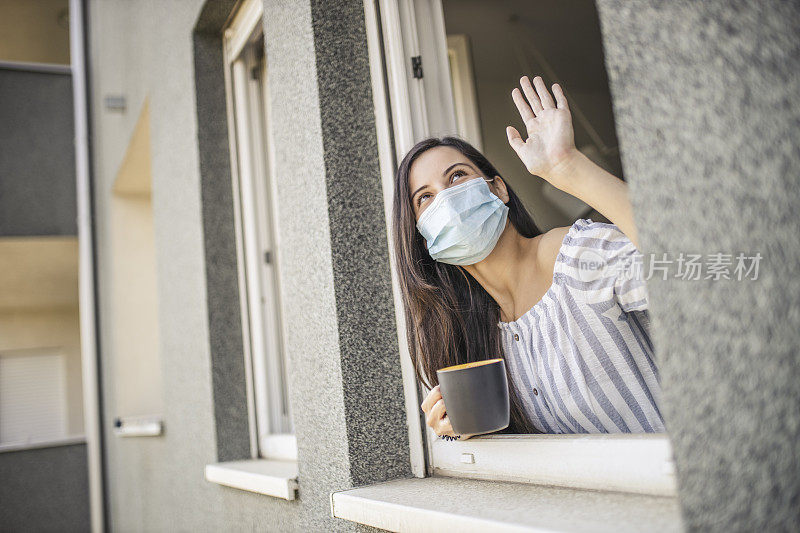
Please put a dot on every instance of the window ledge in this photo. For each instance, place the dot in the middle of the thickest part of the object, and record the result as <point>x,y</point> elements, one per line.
<point>265,476</point>
<point>457,504</point>
<point>640,463</point>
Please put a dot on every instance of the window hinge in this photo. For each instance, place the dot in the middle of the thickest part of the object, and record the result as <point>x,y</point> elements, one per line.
<point>416,65</point>
<point>254,73</point>
<point>267,257</point>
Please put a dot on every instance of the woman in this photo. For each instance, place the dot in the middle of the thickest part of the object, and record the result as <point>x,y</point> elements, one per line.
<point>570,322</point>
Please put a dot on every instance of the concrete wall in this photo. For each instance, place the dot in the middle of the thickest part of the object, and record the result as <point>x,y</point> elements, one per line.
<point>156,484</point>
<point>707,102</point>
<point>44,489</point>
<point>37,155</point>
<point>345,388</point>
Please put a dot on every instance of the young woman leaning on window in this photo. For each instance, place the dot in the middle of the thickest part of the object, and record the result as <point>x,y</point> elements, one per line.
<point>570,322</point>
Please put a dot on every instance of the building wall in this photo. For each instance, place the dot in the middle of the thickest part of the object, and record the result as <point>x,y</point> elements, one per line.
<point>345,388</point>
<point>37,154</point>
<point>707,102</point>
<point>700,178</point>
<point>45,489</point>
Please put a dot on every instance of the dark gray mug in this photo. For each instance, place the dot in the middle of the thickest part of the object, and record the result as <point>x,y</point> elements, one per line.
<point>476,396</point>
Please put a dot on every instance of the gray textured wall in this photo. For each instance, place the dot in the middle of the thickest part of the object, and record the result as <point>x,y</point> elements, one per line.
<point>707,102</point>
<point>44,489</point>
<point>345,383</point>
<point>219,239</point>
<point>37,154</point>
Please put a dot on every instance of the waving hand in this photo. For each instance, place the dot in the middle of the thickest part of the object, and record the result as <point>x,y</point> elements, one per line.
<point>548,123</point>
<point>549,152</point>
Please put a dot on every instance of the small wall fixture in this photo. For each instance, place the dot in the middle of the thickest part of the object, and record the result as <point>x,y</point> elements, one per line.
<point>138,426</point>
<point>115,102</point>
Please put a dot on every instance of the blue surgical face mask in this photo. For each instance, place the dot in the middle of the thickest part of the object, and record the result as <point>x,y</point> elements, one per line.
<point>463,223</point>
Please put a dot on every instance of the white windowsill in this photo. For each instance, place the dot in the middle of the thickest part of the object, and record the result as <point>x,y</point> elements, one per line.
<point>49,443</point>
<point>265,476</point>
<point>453,504</point>
<point>640,463</point>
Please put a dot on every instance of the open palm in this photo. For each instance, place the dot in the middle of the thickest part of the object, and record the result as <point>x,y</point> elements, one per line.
<point>549,127</point>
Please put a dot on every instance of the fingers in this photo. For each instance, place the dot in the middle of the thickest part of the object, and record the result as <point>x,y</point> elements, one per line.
<point>544,94</point>
<point>514,138</point>
<point>436,414</point>
<point>531,95</point>
<point>433,396</point>
<point>445,427</point>
<point>522,106</point>
<point>561,99</point>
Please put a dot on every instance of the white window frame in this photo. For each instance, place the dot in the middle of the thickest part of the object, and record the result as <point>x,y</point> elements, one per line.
<point>638,463</point>
<point>465,98</point>
<point>254,194</point>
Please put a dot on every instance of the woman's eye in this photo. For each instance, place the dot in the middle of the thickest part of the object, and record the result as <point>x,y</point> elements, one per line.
<point>456,175</point>
<point>453,177</point>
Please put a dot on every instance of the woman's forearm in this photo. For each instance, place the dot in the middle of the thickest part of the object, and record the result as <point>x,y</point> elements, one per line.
<point>581,177</point>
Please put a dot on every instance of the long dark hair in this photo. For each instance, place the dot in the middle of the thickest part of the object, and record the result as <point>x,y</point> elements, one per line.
<point>450,317</point>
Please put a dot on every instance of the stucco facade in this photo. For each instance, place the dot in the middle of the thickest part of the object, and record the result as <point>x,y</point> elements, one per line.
<point>706,98</point>
<point>707,102</point>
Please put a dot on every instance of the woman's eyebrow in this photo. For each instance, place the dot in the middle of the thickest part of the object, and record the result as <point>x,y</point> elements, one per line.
<point>415,192</point>
<point>448,169</point>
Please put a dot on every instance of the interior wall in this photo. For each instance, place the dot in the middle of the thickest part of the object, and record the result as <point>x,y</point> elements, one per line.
<point>35,31</point>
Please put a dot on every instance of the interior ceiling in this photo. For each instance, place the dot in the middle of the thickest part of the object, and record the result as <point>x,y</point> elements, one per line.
<point>566,32</point>
<point>38,272</point>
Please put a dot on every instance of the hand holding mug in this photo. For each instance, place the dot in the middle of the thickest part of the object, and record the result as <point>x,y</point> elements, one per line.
<point>436,415</point>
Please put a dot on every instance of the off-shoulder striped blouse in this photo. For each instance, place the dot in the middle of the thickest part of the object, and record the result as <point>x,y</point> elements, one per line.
<point>582,357</point>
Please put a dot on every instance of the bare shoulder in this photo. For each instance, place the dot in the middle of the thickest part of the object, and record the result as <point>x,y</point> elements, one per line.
<point>549,246</point>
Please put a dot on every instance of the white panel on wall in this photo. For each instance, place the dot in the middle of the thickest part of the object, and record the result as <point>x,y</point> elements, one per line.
<point>33,403</point>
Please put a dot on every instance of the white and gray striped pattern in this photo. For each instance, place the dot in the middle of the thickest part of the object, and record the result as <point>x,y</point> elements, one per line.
<point>582,356</point>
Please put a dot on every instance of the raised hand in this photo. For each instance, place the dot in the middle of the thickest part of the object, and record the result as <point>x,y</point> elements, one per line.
<point>550,144</point>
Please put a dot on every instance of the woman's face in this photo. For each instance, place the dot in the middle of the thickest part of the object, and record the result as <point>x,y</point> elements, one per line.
<point>439,168</point>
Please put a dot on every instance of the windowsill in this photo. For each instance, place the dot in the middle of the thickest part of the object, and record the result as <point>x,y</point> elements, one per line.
<point>265,476</point>
<point>457,504</point>
<point>638,463</point>
<point>50,443</point>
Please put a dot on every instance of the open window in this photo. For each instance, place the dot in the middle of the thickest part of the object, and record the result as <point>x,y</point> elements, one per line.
<point>271,468</point>
<point>272,431</point>
<point>448,66</point>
